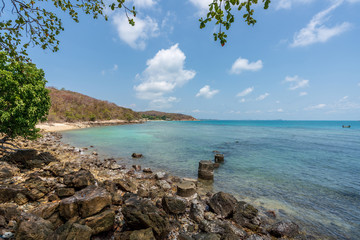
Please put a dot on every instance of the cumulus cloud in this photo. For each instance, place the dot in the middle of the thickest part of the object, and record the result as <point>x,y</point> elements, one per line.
<point>303,94</point>
<point>314,107</point>
<point>164,73</point>
<point>136,36</point>
<point>316,30</point>
<point>206,92</point>
<point>201,5</point>
<point>245,92</point>
<point>144,3</point>
<point>296,82</point>
<point>287,4</point>
<point>242,64</point>
<point>262,97</point>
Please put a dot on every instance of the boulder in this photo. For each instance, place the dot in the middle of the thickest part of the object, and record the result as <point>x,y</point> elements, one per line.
<point>197,209</point>
<point>64,192</point>
<point>147,170</point>
<point>164,185</point>
<point>222,204</point>
<point>219,158</point>
<point>257,237</point>
<point>206,170</point>
<point>285,228</point>
<point>33,227</point>
<point>174,205</point>
<point>186,189</point>
<point>101,222</point>
<point>79,179</point>
<point>126,185</point>
<point>143,214</point>
<point>160,175</point>
<point>20,199</point>
<point>29,159</point>
<point>46,210</point>
<point>9,192</point>
<point>137,168</point>
<point>144,234</point>
<point>72,230</point>
<point>207,236</point>
<point>68,208</point>
<point>246,215</point>
<point>136,155</point>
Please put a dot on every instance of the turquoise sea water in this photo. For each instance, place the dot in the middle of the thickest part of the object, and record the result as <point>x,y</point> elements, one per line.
<point>308,171</point>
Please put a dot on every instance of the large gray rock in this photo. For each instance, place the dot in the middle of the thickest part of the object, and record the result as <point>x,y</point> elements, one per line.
<point>285,228</point>
<point>206,170</point>
<point>223,204</point>
<point>143,214</point>
<point>79,179</point>
<point>246,215</point>
<point>174,205</point>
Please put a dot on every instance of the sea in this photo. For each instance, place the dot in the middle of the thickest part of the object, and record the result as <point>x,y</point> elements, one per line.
<point>305,171</point>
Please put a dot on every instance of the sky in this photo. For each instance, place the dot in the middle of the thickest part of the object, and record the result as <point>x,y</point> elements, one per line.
<point>300,61</point>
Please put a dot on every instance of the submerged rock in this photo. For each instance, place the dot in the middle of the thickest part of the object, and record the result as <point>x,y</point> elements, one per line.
<point>136,155</point>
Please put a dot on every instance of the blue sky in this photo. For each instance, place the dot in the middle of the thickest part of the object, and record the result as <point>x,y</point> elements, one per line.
<point>301,61</point>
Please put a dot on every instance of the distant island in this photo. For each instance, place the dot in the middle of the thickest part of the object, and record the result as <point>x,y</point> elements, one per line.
<point>71,107</point>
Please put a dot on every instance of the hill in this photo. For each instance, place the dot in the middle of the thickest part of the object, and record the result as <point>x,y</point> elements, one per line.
<point>155,115</point>
<point>68,106</point>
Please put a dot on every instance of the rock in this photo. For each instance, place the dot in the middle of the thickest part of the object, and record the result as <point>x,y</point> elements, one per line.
<point>197,210</point>
<point>222,204</point>
<point>46,210</point>
<point>142,192</point>
<point>160,175</point>
<point>216,165</point>
<point>147,170</point>
<point>79,179</point>
<point>94,153</point>
<point>164,185</point>
<point>92,200</point>
<point>29,158</point>
<point>68,208</point>
<point>33,227</point>
<point>207,236</point>
<point>219,158</point>
<point>7,235</point>
<point>246,215</point>
<point>186,189</point>
<point>136,155</point>
<point>72,230</point>
<point>2,221</point>
<point>64,192</point>
<point>126,185</point>
<point>206,170</point>
<point>257,237</point>
<point>285,228</point>
<point>211,226</point>
<point>20,199</point>
<point>183,236</point>
<point>174,205</point>
<point>9,192</point>
<point>5,173</point>
<point>101,222</point>
<point>142,214</point>
<point>137,167</point>
<point>144,234</point>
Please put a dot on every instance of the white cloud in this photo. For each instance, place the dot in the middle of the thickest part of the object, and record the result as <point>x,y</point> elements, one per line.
<point>116,67</point>
<point>163,102</point>
<point>280,110</point>
<point>201,5</point>
<point>242,64</point>
<point>262,97</point>
<point>303,94</point>
<point>314,107</point>
<point>144,3</point>
<point>196,111</point>
<point>296,82</point>
<point>316,31</point>
<point>136,36</point>
<point>243,100</point>
<point>206,92</point>
<point>164,72</point>
<point>245,92</point>
<point>287,4</point>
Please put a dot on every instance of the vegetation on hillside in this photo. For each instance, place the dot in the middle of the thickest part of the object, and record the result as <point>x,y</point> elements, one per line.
<point>155,115</point>
<point>68,106</point>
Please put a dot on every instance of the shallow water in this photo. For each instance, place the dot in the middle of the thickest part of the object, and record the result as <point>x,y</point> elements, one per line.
<point>308,171</point>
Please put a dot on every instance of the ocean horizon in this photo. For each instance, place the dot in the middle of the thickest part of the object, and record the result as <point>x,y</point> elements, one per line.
<point>306,171</point>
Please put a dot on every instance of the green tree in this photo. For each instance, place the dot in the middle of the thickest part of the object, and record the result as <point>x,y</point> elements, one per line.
<point>24,100</point>
<point>35,22</point>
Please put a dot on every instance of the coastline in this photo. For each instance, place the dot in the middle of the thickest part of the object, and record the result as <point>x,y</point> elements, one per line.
<point>65,126</point>
<point>158,191</point>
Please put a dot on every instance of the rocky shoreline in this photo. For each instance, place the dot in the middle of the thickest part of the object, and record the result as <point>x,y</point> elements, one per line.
<point>51,190</point>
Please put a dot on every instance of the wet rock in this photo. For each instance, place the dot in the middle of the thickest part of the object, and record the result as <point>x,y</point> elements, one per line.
<point>174,205</point>
<point>101,222</point>
<point>147,170</point>
<point>144,234</point>
<point>222,204</point>
<point>216,165</point>
<point>160,175</point>
<point>142,214</point>
<point>137,168</point>
<point>79,179</point>
<point>127,185</point>
<point>72,230</point>
<point>64,192</point>
<point>207,236</point>
<point>284,228</point>
<point>246,215</point>
<point>219,158</point>
<point>186,189</point>
<point>197,210</point>
<point>9,192</point>
<point>206,170</point>
<point>136,155</point>
<point>33,227</point>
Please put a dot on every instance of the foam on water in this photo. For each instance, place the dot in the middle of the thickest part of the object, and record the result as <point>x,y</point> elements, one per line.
<point>306,170</point>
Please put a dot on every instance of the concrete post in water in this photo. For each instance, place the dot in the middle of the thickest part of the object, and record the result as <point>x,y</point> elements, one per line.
<point>206,170</point>
<point>219,158</point>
